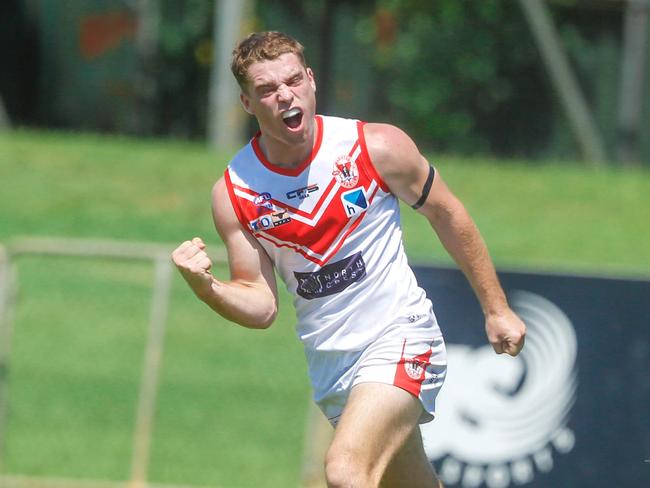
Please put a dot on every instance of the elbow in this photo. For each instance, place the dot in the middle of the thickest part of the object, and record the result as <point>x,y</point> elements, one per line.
<point>265,319</point>
<point>253,308</point>
<point>265,322</point>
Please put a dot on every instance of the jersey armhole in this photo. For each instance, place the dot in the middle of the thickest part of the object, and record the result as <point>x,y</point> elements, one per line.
<point>234,202</point>
<point>364,150</point>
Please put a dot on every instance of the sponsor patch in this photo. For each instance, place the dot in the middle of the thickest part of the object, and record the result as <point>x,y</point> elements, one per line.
<point>346,172</point>
<point>270,221</point>
<point>331,278</point>
<point>263,200</point>
<point>303,192</point>
<point>354,201</point>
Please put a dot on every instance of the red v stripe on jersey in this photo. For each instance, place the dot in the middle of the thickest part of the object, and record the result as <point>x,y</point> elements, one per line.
<point>294,210</point>
<point>319,228</point>
<point>323,249</point>
<point>332,184</point>
<point>301,234</point>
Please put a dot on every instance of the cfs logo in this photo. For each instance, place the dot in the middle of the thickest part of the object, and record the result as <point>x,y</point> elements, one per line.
<point>303,192</point>
<point>270,221</point>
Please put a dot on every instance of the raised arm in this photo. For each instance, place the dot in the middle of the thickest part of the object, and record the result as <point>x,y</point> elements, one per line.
<point>250,297</point>
<point>406,172</point>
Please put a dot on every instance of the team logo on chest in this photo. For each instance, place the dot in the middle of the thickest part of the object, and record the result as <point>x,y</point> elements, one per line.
<point>346,171</point>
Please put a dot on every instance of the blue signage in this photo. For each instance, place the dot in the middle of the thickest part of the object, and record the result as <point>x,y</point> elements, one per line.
<point>572,410</point>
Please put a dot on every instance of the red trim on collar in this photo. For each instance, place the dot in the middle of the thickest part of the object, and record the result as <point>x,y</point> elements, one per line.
<point>301,167</point>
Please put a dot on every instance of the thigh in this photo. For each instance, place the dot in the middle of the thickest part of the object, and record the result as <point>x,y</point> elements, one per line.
<point>376,424</point>
<point>410,466</point>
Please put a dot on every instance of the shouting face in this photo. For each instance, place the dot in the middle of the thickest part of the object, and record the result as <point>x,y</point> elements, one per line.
<point>280,94</point>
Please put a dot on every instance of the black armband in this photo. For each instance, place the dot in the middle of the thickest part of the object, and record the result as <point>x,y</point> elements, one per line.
<point>426,189</point>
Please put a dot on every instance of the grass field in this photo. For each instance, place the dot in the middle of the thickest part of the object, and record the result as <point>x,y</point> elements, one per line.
<point>233,402</point>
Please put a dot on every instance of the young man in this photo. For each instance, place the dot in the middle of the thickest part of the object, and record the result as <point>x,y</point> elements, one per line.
<point>316,198</point>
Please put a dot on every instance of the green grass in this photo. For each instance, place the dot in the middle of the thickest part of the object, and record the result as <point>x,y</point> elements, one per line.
<point>552,216</point>
<point>228,395</point>
<point>92,186</point>
<point>76,361</point>
<point>233,402</point>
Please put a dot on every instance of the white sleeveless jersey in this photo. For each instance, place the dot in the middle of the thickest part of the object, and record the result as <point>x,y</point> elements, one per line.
<point>332,229</point>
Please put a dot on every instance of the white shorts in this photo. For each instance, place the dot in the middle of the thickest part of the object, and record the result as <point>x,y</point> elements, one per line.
<point>410,355</point>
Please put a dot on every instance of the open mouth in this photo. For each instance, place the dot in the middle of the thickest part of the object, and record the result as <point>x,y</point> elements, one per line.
<point>292,118</point>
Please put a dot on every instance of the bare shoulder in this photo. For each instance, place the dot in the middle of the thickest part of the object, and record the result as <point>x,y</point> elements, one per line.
<point>223,213</point>
<point>397,159</point>
<point>220,191</point>
<point>390,148</point>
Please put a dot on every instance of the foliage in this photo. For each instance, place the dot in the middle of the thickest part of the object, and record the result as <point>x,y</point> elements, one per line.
<point>452,72</point>
<point>183,66</point>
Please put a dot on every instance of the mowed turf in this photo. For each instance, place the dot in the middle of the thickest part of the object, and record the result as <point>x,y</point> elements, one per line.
<point>233,402</point>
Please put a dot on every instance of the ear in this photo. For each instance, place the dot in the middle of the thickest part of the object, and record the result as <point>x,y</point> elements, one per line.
<point>246,102</point>
<point>311,78</point>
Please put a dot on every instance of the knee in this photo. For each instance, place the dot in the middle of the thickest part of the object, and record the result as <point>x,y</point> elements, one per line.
<point>346,470</point>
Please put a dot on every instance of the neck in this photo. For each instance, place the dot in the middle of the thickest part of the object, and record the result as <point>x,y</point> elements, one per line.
<point>288,155</point>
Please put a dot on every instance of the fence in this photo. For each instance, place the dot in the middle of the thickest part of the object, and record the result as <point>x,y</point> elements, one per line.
<point>157,254</point>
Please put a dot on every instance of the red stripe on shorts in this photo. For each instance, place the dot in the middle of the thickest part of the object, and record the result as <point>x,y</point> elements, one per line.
<point>410,371</point>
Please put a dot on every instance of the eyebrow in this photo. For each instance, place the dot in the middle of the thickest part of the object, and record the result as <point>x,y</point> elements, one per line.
<point>270,84</point>
<point>264,86</point>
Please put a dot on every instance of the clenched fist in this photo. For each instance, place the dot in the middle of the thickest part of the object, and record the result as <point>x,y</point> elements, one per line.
<point>194,264</point>
<point>506,332</point>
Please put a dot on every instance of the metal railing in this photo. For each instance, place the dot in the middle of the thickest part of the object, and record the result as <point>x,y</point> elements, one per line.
<point>159,255</point>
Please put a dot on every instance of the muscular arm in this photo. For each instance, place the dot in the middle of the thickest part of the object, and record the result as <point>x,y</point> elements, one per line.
<point>250,297</point>
<point>405,171</point>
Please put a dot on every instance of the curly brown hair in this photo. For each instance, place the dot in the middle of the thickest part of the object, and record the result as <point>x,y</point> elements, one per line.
<point>261,46</point>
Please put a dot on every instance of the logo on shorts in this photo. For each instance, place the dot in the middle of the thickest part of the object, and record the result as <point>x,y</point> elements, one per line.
<point>410,371</point>
<point>354,201</point>
<point>414,368</point>
<point>500,421</point>
<point>331,278</point>
<point>346,172</point>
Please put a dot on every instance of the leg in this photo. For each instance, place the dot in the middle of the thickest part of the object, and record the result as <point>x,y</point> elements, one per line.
<point>378,422</point>
<point>410,466</point>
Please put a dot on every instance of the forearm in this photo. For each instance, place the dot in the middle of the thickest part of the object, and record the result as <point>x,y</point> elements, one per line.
<point>247,304</point>
<point>462,240</point>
